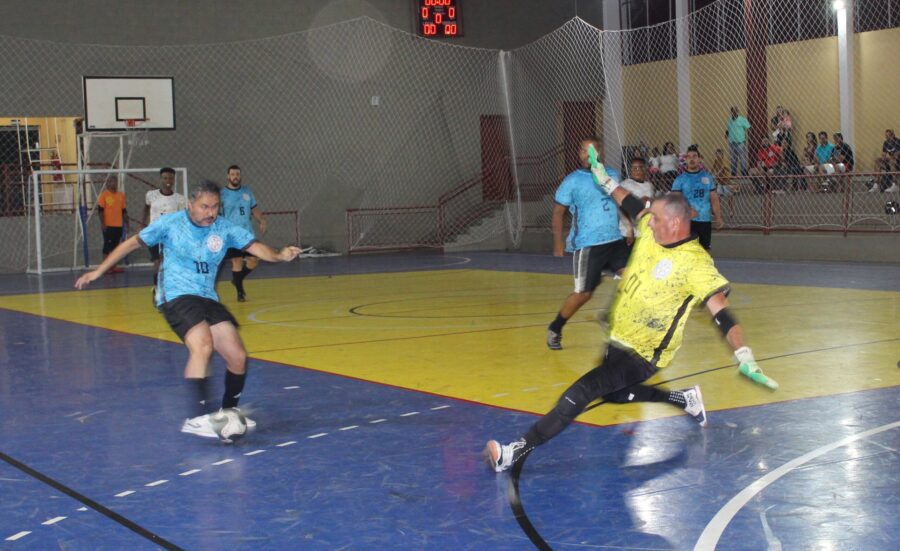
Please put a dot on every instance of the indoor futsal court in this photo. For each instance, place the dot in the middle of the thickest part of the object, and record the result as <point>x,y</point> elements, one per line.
<point>427,159</point>
<point>376,380</point>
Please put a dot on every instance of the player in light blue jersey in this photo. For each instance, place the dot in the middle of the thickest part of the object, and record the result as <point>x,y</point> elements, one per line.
<point>239,206</point>
<point>699,188</point>
<point>195,241</point>
<point>595,239</point>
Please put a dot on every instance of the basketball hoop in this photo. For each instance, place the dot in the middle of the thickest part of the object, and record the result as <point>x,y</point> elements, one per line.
<point>137,132</point>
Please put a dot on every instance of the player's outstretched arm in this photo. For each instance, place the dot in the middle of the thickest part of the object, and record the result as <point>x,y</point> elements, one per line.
<point>267,253</point>
<point>124,249</point>
<point>734,335</point>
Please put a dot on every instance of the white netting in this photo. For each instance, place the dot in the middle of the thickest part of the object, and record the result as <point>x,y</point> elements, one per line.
<point>381,139</point>
<point>64,224</point>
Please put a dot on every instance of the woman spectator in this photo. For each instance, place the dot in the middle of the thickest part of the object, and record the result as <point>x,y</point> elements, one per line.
<point>810,163</point>
<point>668,165</point>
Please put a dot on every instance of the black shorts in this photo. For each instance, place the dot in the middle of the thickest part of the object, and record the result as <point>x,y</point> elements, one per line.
<point>588,263</point>
<point>186,311</point>
<point>236,253</point>
<point>704,231</point>
<point>621,368</point>
<point>154,253</point>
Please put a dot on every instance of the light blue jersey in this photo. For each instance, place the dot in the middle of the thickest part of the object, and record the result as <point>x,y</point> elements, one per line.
<point>237,204</point>
<point>595,215</point>
<point>191,253</point>
<point>696,186</point>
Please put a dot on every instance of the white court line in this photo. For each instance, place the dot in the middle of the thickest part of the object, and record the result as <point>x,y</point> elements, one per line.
<point>408,414</point>
<point>351,427</point>
<point>255,452</point>
<point>81,509</point>
<point>377,421</point>
<point>286,444</point>
<point>439,407</point>
<point>125,493</point>
<point>529,389</point>
<point>18,535</point>
<point>222,462</point>
<point>500,395</point>
<point>53,520</point>
<point>321,434</point>
<point>713,531</point>
<point>155,483</point>
<point>291,387</point>
<point>189,473</point>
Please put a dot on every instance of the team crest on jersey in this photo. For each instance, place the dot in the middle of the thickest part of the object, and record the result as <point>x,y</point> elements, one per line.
<point>246,197</point>
<point>705,180</point>
<point>214,243</point>
<point>663,269</point>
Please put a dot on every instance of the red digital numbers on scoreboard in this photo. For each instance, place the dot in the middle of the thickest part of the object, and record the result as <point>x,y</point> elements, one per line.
<point>439,18</point>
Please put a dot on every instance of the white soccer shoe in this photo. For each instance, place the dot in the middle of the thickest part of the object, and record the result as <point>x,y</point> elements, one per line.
<point>501,457</point>
<point>200,425</point>
<point>251,424</point>
<point>694,404</point>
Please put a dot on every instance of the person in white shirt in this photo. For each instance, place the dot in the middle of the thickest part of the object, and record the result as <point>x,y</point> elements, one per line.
<point>159,202</point>
<point>637,185</point>
<point>668,165</point>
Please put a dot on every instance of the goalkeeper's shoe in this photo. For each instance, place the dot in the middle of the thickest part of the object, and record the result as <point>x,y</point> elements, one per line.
<point>501,457</point>
<point>755,374</point>
<point>693,404</point>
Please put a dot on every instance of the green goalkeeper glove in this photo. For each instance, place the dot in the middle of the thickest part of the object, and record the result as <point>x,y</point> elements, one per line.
<point>751,370</point>
<point>599,171</point>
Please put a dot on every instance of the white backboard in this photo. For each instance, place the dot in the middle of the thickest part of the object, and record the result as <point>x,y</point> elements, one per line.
<point>110,101</point>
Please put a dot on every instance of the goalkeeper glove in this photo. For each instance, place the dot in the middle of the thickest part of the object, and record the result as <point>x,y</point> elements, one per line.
<point>603,180</point>
<point>751,370</point>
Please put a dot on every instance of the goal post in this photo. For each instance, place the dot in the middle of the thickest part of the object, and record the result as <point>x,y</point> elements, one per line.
<point>64,229</point>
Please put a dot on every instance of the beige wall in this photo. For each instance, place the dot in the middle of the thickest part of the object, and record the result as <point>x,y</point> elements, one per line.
<point>877,92</point>
<point>651,103</point>
<point>802,77</point>
<point>718,81</point>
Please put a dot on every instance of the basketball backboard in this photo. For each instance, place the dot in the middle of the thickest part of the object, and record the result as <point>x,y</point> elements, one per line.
<point>111,101</point>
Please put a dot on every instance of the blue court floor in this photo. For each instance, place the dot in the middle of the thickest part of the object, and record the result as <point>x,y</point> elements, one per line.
<point>91,456</point>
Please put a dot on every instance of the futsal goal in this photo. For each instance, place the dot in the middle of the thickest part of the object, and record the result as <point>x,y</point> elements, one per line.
<point>64,228</point>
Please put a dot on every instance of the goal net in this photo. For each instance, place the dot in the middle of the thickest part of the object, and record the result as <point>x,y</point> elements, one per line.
<point>64,226</point>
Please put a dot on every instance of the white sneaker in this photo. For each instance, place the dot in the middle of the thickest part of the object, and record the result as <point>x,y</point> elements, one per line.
<point>892,189</point>
<point>200,425</point>
<point>501,457</point>
<point>875,188</point>
<point>694,404</point>
<point>251,424</point>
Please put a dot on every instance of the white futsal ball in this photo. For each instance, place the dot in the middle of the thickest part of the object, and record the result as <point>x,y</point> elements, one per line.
<point>229,424</point>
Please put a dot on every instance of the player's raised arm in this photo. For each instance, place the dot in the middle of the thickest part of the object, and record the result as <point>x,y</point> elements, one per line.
<point>267,253</point>
<point>734,335</point>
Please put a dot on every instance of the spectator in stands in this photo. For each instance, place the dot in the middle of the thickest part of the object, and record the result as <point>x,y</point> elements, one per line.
<point>889,161</point>
<point>699,188</point>
<point>768,157</point>
<point>736,133</point>
<point>668,166</point>
<point>824,152</point>
<point>843,154</point>
<point>654,161</point>
<point>720,173</point>
<point>782,127</point>
<point>637,185</point>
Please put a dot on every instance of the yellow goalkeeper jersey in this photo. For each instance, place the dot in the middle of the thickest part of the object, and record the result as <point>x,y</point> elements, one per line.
<point>659,288</point>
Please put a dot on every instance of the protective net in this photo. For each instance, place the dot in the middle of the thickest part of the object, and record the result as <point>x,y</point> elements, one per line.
<point>382,139</point>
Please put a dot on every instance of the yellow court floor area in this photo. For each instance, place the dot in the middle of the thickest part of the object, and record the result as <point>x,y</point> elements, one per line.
<point>479,335</point>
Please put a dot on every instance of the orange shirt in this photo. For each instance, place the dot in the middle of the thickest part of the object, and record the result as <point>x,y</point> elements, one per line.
<point>112,204</point>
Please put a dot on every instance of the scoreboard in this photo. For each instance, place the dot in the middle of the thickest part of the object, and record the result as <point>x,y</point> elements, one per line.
<point>439,18</point>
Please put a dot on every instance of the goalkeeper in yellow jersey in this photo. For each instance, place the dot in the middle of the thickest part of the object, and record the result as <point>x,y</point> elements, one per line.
<point>667,275</point>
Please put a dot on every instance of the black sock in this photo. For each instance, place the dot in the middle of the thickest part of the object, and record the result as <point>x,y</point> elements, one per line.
<point>676,398</point>
<point>557,325</point>
<point>234,386</point>
<point>155,278</point>
<point>238,281</point>
<point>200,396</point>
